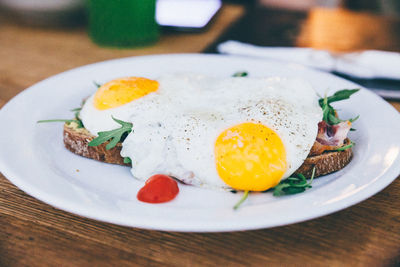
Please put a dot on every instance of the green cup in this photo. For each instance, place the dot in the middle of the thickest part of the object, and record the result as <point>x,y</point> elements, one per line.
<point>123,23</point>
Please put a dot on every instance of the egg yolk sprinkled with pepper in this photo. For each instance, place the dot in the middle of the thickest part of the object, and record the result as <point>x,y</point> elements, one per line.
<point>250,156</point>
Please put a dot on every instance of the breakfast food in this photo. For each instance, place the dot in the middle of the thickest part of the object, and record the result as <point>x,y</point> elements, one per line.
<point>241,133</point>
<point>207,131</point>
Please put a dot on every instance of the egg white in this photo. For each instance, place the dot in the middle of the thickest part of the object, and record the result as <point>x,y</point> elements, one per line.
<point>175,128</point>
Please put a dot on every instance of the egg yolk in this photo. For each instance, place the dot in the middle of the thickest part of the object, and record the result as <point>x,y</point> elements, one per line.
<point>121,91</point>
<point>250,156</point>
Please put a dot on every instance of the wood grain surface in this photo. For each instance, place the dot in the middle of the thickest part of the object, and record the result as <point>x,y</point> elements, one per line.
<point>35,234</point>
<point>29,54</point>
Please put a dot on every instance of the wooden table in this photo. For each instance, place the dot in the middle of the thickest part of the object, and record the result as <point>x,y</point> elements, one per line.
<point>36,234</point>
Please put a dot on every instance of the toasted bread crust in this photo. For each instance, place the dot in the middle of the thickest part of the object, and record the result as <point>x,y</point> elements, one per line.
<point>77,141</point>
<point>327,162</point>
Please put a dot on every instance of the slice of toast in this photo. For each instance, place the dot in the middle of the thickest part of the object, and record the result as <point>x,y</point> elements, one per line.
<point>77,139</point>
<point>327,162</point>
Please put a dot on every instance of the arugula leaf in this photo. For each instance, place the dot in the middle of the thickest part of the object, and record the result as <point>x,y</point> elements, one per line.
<point>345,147</point>
<point>96,84</point>
<point>127,160</point>
<point>57,120</point>
<point>290,186</point>
<point>279,189</point>
<point>244,197</point>
<point>114,136</point>
<point>240,74</point>
<point>329,113</point>
<point>332,119</point>
<point>339,95</point>
<point>293,185</point>
<point>354,119</point>
<point>77,120</point>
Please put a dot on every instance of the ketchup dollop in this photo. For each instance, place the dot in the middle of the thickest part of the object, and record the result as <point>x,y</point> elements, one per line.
<point>159,188</point>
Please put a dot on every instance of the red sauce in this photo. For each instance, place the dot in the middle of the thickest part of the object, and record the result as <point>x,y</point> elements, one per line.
<point>159,188</point>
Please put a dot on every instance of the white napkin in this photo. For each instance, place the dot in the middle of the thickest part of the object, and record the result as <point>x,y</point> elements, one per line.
<point>367,64</point>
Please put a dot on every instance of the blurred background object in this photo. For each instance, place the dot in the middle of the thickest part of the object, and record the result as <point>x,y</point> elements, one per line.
<point>289,4</point>
<point>343,30</point>
<point>390,7</point>
<point>336,26</point>
<point>123,23</point>
<point>384,7</point>
<point>177,13</point>
<point>50,13</point>
<point>187,15</point>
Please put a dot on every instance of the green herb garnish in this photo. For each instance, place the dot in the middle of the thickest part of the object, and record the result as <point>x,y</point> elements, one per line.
<point>127,160</point>
<point>345,147</point>
<point>353,120</point>
<point>77,111</point>
<point>240,74</point>
<point>114,136</point>
<point>97,84</point>
<point>293,185</point>
<point>244,197</point>
<point>339,95</point>
<point>289,186</point>
<point>329,113</point>
<point>58,120</point>
<point>77,120</point>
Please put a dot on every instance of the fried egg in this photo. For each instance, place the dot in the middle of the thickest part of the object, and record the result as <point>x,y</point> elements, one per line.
<point>241,133</point>
<point>114,98</point>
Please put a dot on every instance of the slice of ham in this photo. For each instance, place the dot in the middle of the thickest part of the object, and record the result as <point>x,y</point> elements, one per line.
<point>330,137</point>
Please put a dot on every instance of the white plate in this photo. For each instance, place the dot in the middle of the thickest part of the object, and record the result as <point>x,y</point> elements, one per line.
<point>32,155</point>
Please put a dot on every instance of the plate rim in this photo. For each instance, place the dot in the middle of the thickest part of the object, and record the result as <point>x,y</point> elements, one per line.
<point>393,172</point>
